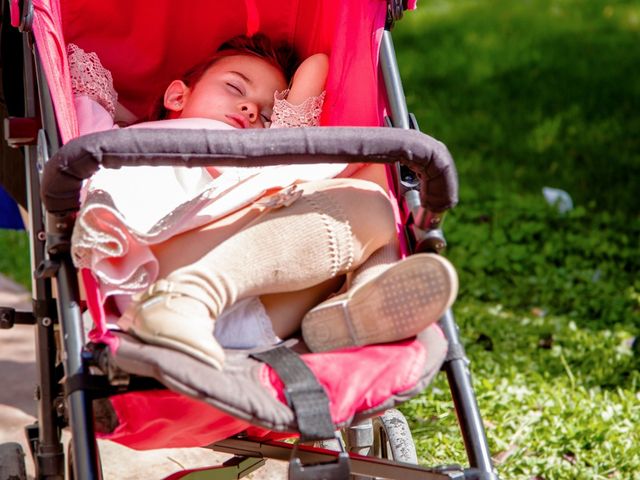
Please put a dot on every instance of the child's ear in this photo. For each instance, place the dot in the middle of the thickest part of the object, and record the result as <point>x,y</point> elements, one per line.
<point>175,96</point>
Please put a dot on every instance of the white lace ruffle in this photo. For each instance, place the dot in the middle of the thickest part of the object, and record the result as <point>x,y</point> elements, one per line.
<point>287,115</point>
<point>89,77</point>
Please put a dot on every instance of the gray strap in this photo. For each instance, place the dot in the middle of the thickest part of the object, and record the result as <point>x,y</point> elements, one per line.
<point>306,397</point>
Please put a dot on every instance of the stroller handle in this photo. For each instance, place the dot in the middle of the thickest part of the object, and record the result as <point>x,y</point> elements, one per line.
<point>82,157</point>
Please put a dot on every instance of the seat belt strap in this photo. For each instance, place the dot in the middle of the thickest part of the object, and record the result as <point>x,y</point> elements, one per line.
<point>304,394</point>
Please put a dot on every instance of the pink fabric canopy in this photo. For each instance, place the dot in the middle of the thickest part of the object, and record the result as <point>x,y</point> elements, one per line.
<point>147,44</point>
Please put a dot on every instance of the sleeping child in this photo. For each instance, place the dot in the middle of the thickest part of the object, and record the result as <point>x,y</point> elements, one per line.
<point>202,259</point>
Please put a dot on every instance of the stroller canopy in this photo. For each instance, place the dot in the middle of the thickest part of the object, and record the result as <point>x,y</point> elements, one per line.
<point>147,44</point>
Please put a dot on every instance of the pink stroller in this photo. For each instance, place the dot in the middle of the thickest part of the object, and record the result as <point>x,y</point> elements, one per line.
<point>145,396</point>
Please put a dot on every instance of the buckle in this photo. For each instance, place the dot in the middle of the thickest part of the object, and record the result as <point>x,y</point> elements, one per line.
<point>160,286</point>
<point>338,469</point>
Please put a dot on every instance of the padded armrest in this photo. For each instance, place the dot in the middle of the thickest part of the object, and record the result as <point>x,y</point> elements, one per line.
<point>81,158</point>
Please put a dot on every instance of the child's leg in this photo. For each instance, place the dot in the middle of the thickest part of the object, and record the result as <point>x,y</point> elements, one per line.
<point>378,262</point>
<point>286,309</point>
<point>331,229</point>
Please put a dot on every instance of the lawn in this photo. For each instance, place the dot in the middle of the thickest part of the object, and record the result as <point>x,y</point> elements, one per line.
<point>527,94</point>
<point>14,256</point>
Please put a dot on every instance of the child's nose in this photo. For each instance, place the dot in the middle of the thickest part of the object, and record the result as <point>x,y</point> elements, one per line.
<point>250,110</point>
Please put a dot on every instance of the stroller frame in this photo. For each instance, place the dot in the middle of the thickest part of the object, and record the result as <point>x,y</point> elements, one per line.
<point>50,257</point>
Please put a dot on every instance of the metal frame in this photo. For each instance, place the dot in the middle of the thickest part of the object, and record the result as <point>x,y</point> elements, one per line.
<point>456,365</point>
<point>45,435</point>
<point>51,259</point>
<point>359,464</point>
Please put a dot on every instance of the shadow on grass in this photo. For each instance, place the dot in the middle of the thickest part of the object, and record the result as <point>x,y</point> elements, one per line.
<point>538,93</point>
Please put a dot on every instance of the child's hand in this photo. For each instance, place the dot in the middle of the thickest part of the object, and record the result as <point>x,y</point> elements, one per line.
<point>309,78</point>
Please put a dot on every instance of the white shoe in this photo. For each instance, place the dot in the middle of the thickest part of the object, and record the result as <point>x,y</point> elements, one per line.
<point>399,303</point>
<point>168,315</point>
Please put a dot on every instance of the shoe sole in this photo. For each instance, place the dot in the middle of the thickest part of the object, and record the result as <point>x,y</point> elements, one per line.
<point>398,304</point>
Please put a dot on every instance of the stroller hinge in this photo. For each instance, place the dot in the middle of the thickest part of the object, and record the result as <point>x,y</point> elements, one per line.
<point>49,457</point>
<point>424,225</point>
<point>395,10</point>
<point>59,229</point>
<point>47,269</point>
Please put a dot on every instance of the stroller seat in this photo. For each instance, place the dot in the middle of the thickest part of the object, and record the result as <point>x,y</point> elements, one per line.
<point>359,381</point>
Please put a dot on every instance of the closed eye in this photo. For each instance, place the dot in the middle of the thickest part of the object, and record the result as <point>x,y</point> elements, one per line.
<point>237,89</point>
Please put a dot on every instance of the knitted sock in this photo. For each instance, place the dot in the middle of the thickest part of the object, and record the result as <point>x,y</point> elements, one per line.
<point>287,249</point>
<point>378,262</point>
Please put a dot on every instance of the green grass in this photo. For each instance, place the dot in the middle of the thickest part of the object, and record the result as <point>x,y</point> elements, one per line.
<point>547,313</point>
<point>14,256</point>
<point>529,94</point>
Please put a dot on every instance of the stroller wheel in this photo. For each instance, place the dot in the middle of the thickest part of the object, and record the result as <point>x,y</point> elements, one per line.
<point>12,466</point>
<point>387,437</point>
<point>392,438</point>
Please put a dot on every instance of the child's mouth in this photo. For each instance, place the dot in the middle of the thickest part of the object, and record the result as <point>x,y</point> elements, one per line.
<point>238,121</point>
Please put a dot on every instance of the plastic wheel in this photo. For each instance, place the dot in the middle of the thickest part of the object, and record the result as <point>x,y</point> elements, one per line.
<point>12,466</point>
<point>387,437</point>
<point>392,438</point>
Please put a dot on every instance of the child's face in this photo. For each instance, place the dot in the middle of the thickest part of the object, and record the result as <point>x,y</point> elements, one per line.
<point>237,90</point>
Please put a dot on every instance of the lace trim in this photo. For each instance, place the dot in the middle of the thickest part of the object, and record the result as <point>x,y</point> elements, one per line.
<point>285,114</point>
<point>89,77</point>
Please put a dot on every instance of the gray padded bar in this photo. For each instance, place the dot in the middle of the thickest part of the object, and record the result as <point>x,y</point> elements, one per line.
<point>82,157</point>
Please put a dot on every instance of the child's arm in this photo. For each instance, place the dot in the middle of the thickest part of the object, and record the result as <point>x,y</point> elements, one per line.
<point>94,97</point>
<point>309,79</point>
<point>123,116</point>
<point>303,104</point>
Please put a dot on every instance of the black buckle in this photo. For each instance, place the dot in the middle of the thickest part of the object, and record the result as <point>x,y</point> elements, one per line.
<point>338,469</point>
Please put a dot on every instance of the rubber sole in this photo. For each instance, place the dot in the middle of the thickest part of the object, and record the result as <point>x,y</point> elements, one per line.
<point>398,304</point>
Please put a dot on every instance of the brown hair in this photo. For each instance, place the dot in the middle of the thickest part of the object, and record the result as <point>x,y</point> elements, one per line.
<point>280,55</point>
